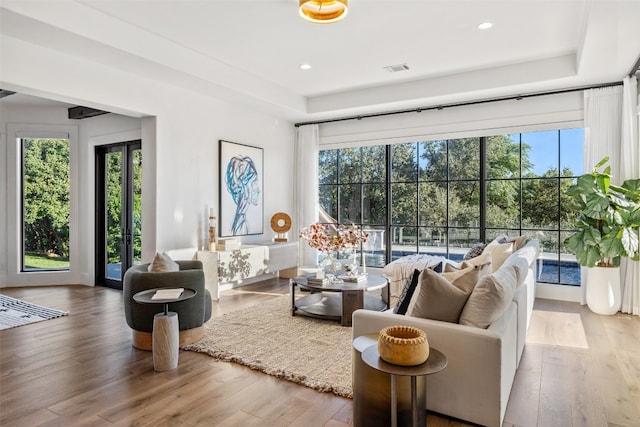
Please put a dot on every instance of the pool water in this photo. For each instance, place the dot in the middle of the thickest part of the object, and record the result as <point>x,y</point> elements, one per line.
<point>569,271</point>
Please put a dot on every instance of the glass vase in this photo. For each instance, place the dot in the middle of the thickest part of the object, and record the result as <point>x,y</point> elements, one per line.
<point>331,266</point>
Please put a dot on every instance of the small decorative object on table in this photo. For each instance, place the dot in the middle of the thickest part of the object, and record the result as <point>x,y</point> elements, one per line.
<point>403,345</point>
<point>332,239</point>
<point>280,224</point>
<point>350,267</point>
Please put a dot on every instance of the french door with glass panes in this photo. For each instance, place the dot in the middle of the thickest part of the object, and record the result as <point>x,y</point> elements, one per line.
<point>118,211</point>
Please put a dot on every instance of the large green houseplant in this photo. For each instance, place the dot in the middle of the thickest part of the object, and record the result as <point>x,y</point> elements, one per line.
<point>608,218</point>
<point>607,222</point>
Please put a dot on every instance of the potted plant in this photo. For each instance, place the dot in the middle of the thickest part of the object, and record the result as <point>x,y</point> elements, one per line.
<point>607,222</point>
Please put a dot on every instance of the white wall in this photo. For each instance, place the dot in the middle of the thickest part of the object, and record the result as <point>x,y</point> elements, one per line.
<point>179,130</point>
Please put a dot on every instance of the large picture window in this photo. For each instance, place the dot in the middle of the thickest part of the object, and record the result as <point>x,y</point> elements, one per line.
<point>441,197</point>
<point>45,203</point>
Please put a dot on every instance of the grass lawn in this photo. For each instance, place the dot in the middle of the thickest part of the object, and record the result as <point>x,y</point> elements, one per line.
<point>35,261</point>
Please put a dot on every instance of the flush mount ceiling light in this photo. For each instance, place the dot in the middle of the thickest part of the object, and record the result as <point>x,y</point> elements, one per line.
<point>485,25</point>
<point>323,11</point>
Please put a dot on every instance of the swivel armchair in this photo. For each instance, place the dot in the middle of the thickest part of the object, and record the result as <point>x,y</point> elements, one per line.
<point>192,313</point>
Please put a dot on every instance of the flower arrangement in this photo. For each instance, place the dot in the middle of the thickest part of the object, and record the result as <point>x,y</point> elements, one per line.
<point>329,238</point>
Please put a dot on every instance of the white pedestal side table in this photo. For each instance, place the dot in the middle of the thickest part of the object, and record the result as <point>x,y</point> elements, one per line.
<point>166,332</point>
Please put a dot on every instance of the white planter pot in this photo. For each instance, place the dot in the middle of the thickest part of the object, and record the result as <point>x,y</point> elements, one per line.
<point>603,289</point>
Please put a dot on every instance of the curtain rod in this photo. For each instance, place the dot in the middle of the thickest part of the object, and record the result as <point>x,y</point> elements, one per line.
<point>460,104</point>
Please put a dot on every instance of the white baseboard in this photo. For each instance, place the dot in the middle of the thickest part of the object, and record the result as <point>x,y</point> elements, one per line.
<point>559,292</point>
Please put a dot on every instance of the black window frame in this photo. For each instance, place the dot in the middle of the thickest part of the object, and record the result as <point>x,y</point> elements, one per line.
<point>485,232</point>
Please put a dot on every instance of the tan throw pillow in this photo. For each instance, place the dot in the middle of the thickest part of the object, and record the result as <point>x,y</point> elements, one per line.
<point>518,242</point>
<point>464,279</point>
<point>162,263</point>
<point>490,298</point>
<point>480,260</point>
<point>499,253</point>
<point>483,261</point>
<point>436,298</point>
<point>495,242</point>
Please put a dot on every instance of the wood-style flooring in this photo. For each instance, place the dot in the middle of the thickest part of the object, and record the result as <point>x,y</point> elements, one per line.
<point>578,369</point>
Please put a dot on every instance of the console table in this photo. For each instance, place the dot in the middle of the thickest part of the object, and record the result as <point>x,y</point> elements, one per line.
<point>226,267</point>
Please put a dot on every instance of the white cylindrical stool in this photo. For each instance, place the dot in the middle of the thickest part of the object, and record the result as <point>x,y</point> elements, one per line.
<point>165,341</point>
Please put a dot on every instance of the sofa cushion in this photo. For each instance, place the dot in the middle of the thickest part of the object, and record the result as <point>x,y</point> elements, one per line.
<point>407,292</point>
<point>490,297</point>
<point>162,263</point>
<point>438,298</point>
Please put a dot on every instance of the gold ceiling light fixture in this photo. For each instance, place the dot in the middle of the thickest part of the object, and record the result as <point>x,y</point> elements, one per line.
<point>323,11</point>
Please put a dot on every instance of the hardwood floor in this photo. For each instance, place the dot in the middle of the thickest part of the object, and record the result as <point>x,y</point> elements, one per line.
<point>578,369</point>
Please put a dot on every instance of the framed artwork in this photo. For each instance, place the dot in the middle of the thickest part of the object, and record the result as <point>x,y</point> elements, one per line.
<point>241,189</point>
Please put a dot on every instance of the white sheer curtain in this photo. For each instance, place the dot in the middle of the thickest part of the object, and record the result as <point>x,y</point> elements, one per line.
<point>306,186</point>
<point>602,119</point>
<point>629,169</point>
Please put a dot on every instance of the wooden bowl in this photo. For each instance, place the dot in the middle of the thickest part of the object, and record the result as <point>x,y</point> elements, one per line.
<point>403,345</point>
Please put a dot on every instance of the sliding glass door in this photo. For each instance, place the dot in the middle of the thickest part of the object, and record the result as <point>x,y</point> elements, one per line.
<point>118,211</point>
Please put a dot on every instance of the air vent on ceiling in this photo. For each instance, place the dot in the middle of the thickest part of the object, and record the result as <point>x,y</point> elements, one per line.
<point>396,68</point>
<point>84,112</point>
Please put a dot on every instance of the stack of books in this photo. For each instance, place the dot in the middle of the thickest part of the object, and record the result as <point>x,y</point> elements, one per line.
<point>356,278</point>
<point>313,280</point>
<point>167,294</point>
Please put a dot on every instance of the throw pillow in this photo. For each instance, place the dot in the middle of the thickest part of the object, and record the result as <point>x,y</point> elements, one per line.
<point>474,251</point>
<point>437,267</point>
<point>479,261</point>
<point>436,298</point>
<point>407,292</point>
<point>518,242</point>
<point>495,242</point>
<point>499,251</point>
<point>499,254</point>
<point>465,278</point>
<point>162,263</point>
<point>490,298</point>
<point>483,262</point>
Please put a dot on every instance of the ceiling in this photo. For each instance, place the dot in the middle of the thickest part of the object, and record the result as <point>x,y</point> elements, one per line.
<point>250,51</point>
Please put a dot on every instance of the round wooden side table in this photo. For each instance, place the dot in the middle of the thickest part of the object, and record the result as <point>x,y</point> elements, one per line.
<point>435,363</point>
<point>166,333</point>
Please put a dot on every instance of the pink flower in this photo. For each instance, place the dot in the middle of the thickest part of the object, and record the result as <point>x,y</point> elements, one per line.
<point>332,238</point>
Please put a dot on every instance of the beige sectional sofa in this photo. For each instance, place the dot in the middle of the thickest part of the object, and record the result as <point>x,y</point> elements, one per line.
<point>482,363</point>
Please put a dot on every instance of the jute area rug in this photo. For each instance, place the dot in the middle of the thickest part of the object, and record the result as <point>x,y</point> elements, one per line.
<point>15,312</point>
<point>312,352</point>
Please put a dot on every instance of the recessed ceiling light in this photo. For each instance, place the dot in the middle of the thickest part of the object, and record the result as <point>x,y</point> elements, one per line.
<point>485,25</point>
<point>305,67</point>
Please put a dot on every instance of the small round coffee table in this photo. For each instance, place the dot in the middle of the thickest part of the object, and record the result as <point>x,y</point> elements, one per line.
<point>166,334</point>
<point>338,301</point>
<point>435,363</point>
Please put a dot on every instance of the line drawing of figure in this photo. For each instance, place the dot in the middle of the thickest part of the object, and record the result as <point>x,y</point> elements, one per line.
<point>242,183</point>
